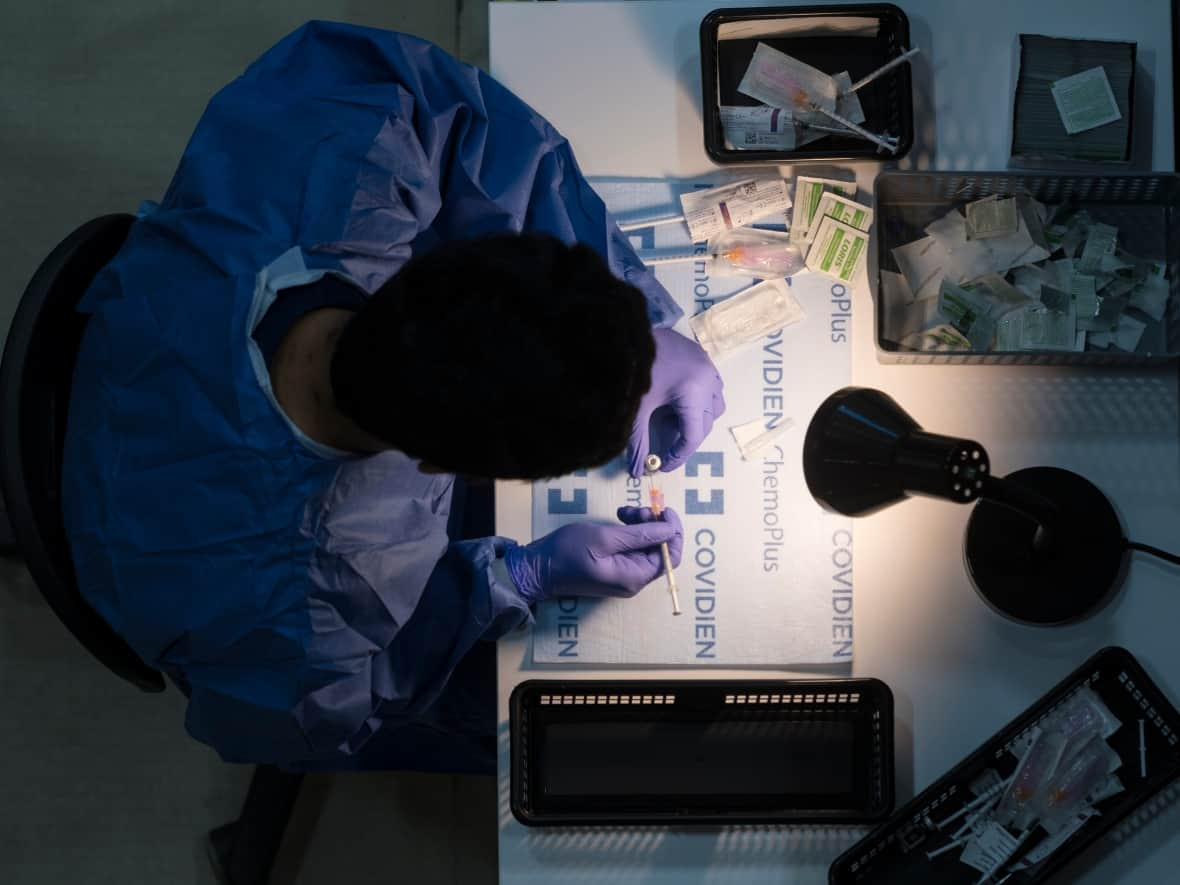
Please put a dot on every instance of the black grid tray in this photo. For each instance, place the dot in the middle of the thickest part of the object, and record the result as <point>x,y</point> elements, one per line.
<point>678,752</point>
<point>895,852</point>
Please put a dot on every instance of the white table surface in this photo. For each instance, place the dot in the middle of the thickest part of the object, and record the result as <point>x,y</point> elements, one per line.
<point>622,81</point>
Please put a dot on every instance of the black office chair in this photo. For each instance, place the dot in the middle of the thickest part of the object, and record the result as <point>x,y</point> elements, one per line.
<point>35,380</point>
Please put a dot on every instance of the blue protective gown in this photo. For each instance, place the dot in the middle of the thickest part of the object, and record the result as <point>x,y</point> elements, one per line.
<point>307,600</point>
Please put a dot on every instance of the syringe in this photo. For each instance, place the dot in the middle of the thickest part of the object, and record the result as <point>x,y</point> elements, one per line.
<point>657,507</point>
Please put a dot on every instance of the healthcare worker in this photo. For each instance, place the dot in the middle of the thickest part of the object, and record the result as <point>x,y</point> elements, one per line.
<point>375,269</point>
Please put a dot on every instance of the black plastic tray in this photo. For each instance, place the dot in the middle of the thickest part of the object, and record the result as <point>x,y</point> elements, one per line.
<point>888,101</point>
<point>895,852</point>
<point>680,752</point>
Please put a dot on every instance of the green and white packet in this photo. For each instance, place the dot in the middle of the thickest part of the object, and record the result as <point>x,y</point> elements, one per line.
<point>991,217</point>
<point>939,338</point>
<point>808,193</point>
<point>842,209</point>
<point>838,249</point>
<point>960,305</point>
<point>1085,100</point>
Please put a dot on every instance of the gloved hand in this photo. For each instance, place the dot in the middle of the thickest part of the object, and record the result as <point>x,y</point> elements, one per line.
<point>685,382</point>
<point>585,559</point>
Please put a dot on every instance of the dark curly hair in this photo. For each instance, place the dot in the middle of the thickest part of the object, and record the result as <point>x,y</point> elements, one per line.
<point>510,356</point>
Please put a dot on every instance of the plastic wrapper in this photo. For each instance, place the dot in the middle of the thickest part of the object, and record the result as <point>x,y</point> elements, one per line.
<point>762,253</point>
<point>1066,792</point>
<point>746,317</point>
<point>1033,773</point>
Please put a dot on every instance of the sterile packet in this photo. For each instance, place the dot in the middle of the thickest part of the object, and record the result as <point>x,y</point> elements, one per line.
<point>1101,240</point>
<point>900,322</point>
<point>1037,327</point>
<point>1003,295</point>
<point>1033,772</point>
<point>986,299</point>
<point>762,253</point>
<point>1067,230</point>
<point>1084,289</point>
<point>758,128</point>
<point>809,192</point>
<point>923,263</point>
<point>746,317</point>
<point>842,209</point>
<point>838,249</point>
<point>1082,717</point>
<point>709,212</point>
<point>991,217</point>
<point>1085,100</point>
<point>965,259</point>
<point>1065,793</point>
<point>777,79</point>
<point>1028,280</point>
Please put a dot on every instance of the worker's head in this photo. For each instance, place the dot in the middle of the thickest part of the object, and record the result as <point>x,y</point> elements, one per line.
<point>508,356</point>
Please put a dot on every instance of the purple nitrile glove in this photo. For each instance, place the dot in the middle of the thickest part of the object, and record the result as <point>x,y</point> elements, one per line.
<point>588,559</point>
<point>685,382</point>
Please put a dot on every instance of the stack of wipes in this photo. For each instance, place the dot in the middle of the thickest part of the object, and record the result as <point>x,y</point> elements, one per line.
<point>1012,274</point>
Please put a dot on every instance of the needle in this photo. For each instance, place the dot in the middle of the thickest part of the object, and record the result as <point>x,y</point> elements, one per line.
<point>654,222</point>
<point>657,507</point>
<point>803,99</point>
<point>888,66</point>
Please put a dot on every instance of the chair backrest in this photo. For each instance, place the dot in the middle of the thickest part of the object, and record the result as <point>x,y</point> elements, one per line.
<point>35,379</point>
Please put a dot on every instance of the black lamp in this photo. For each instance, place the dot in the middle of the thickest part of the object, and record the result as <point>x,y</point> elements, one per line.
<point>1044,546</point>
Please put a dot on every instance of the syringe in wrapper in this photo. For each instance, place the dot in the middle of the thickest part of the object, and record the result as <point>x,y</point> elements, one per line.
<point>657,507</point>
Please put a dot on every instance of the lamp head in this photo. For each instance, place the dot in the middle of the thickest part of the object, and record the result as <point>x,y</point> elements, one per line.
<point>862,452</point>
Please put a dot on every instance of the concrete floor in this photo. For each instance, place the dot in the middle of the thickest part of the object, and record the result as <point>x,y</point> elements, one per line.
<point>98,783</point>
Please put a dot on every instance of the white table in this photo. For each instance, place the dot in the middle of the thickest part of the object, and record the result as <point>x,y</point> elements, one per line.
<point>958,672</point>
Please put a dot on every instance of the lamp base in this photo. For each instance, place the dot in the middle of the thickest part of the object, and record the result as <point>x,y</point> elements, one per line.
<point>1072,576</point>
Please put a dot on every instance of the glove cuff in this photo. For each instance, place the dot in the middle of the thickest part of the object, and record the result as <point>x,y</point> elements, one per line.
<point>516,561</point>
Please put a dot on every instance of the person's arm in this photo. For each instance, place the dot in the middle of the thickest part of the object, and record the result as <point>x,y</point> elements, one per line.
<point>287,703</point>
<point>287,700</point>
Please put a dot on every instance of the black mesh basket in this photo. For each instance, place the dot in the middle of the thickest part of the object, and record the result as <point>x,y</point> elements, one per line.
<point>1148,204</point>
